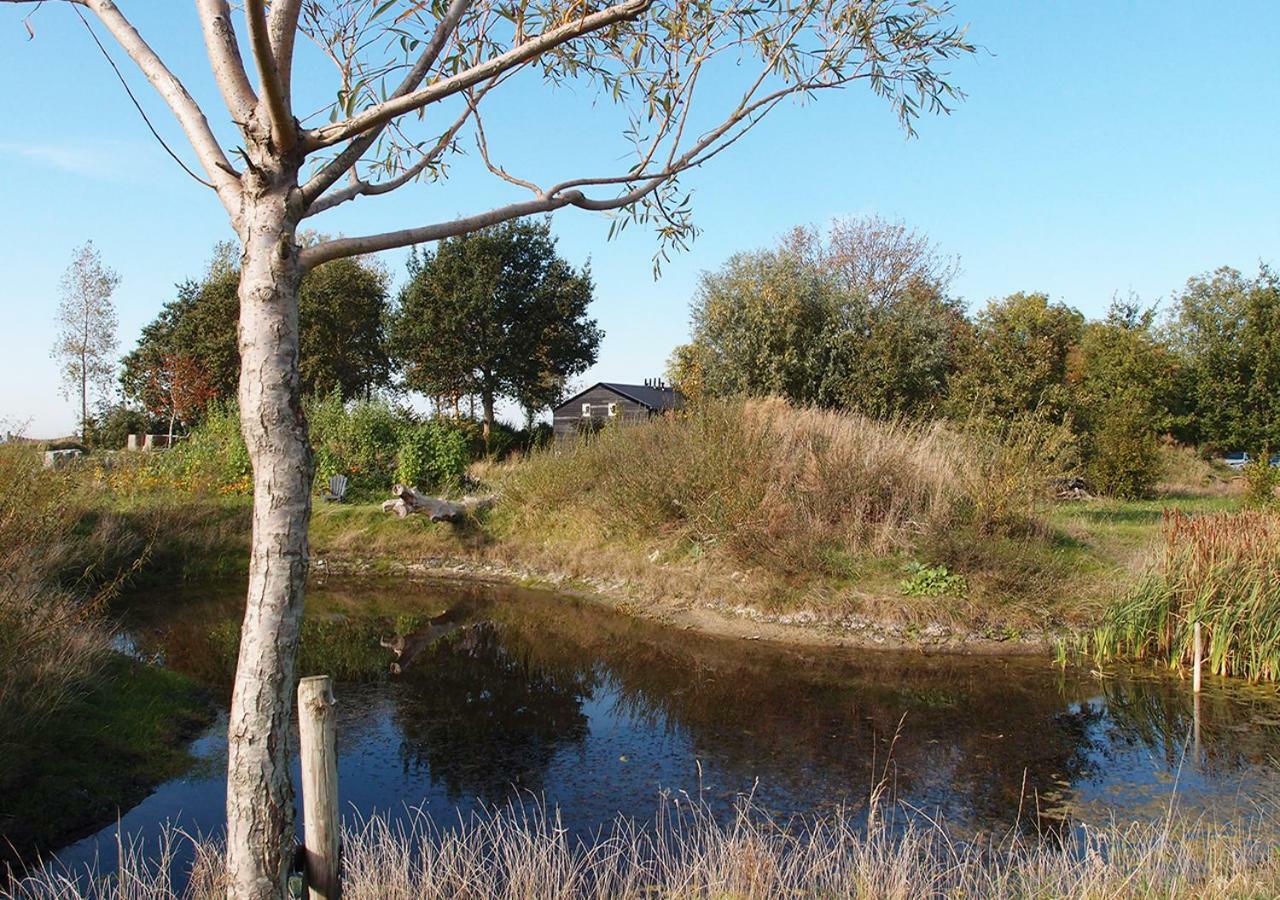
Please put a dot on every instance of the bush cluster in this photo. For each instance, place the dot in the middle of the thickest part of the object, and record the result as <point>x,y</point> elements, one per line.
<point>374,443</point>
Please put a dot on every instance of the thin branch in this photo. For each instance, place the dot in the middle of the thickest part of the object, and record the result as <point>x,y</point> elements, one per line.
<point>376,116</point>
<point>360,188</point>
<point>340,247</point>
<point>483,144</point>
<point>348,158</point>
<point>225,59</point>
<point>142,112</point>
<point>283,128</point>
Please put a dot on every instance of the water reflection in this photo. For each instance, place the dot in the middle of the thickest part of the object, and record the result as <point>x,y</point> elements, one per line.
<point>456,696</point>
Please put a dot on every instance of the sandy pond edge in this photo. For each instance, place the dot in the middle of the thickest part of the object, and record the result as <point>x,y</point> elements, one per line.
<point>798,628</point>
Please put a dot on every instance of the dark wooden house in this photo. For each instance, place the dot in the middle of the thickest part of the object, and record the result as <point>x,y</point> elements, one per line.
<point>606,402</point>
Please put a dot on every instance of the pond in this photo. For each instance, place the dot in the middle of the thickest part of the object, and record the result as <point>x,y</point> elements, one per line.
<point>452,697</point>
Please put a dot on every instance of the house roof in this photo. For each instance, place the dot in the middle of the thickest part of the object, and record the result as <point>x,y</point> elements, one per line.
<point>655,398</point>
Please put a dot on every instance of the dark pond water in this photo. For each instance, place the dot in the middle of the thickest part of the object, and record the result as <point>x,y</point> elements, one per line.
<point>500,692</point>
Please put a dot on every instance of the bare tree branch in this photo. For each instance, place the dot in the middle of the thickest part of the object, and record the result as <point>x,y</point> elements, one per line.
<point>225,59</point>
<point>359,188</point>
<point>377,115</point>
<point>283,127</point>
<point>340,247</point>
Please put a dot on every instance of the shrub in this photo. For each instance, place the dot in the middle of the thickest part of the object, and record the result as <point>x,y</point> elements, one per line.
<point>433,454</point>
<point>359,440</point>
<point>51,638</point>
<point>1125,459</point>
<point>213,456</point>
<point>1261,482</point>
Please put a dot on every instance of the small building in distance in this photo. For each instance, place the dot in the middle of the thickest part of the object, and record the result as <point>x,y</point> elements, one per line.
<point>607,401</point>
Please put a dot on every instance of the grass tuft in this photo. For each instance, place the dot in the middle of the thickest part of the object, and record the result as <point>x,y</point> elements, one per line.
<point>523,852</point>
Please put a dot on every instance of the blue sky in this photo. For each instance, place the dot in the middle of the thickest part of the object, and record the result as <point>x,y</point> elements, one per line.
<point>1103,148</point>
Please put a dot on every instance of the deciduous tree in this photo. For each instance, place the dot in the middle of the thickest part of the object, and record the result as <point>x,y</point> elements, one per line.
<point>86,341</point>
<point>857,318</point>
<point>178,390</point>
<point>1016,359</point>
<point>411,78</point>
<point>1227,328</point>
<point>341,323</point>
<point>496,313</point>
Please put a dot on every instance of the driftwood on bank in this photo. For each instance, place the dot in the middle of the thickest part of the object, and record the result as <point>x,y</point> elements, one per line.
<point>410,502</point>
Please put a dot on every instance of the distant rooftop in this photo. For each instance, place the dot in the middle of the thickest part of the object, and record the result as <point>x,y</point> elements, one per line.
<point>655,395</point>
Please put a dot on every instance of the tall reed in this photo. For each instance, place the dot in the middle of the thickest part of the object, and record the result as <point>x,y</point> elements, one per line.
<point>1219,569</point>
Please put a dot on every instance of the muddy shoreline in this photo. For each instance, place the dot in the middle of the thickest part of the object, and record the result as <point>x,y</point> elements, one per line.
<point>803,627</point>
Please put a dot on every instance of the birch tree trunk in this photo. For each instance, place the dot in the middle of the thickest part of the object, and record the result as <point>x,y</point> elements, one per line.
<point>259,795</point>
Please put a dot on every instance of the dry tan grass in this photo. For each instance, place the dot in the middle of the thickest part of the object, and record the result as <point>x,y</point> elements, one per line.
<point>781,488</point>
<point>522,852</point>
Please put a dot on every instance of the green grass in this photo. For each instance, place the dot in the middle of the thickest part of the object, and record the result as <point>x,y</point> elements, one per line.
<point>98,754</point>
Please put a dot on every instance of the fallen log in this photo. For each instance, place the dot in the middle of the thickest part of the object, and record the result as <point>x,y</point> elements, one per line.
<point>408,501</point>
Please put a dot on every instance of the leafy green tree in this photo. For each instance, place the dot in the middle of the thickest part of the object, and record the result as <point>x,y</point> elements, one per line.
<point>758,327</point>
<point>342,323</point>
<point>496,313</point>
<point>1124,385</point>
<point>1227,329</point>
<point>200,323</point>
<point>895,358</point>
<point>342,316</point>
<point>856,317</point>
<point>1015,360</point>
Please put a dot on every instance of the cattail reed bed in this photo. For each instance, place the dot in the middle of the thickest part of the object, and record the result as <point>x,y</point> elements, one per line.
<point>523,852</point>
<point>1221,570</point>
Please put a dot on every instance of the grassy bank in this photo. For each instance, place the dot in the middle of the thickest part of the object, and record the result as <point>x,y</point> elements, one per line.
<point>523,853</point>
<point>98,754</point>
<point>755,509</point>
<point>755,512</point>
<point>86,729</point>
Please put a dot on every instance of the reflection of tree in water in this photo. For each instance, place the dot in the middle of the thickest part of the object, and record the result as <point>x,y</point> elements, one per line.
<point>820,725</point>
<point>1239,725</point>
<point>483,717</point>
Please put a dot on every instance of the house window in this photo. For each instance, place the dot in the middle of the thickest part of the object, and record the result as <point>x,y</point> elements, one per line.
<point>586,410</point>
<point>613,410</point>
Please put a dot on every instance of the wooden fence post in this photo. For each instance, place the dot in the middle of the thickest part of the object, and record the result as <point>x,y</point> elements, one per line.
<point>318,743</point>
<point>1199,658</point>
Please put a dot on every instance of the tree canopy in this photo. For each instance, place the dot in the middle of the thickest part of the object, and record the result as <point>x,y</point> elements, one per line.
<point>856,318</point>
<point>1226,326</point>
<point>343,310</point>
<point>497,314</point>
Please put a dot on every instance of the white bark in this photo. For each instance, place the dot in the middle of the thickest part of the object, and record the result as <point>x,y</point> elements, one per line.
<point>259,795</point>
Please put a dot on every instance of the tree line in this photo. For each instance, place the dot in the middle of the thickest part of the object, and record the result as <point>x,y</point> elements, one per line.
<point>496,314</point>
<point>862,318</point>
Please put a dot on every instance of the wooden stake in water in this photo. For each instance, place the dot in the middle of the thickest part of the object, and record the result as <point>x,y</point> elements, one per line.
<point>1199,658</point>
<point>318,742</point>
